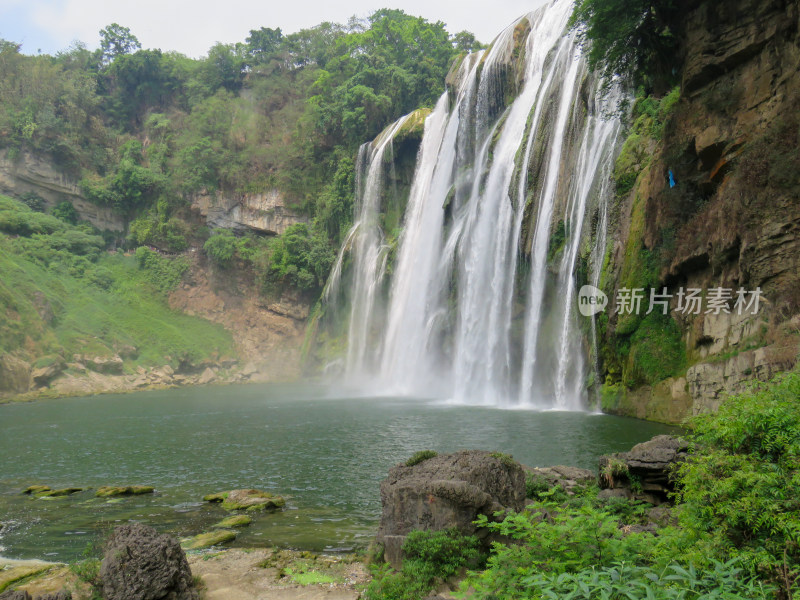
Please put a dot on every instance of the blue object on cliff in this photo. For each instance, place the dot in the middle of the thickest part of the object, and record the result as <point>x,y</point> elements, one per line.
<point>671,179</point>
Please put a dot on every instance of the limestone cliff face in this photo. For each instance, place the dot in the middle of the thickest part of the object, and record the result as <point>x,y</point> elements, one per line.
<point>268,334</point>
<point>30,173</point>
<point>733,219</point>
<point>266,213</point>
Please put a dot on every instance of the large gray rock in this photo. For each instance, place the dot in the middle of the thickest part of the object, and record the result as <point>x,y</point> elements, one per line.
<point>108,365</point>
<point>15,595</point>
<point>447,491</point>
<point>42,376</point>
<point>15,374</point>
<point>646,471</point>
<point>24,595</point>
<point>141,564</point>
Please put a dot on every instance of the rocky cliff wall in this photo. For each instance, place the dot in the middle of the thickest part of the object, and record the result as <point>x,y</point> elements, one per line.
<point>33,174</point>
<point>732,220</point>
<point>265,213</point>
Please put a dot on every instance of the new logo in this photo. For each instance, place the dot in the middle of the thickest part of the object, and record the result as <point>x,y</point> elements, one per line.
<point>591,300</point>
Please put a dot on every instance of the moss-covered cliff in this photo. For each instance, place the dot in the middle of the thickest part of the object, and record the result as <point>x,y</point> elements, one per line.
<point>728,135</point>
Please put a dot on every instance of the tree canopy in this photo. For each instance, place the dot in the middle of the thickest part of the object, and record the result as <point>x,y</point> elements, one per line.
<point>632,39</point>
<point>146,130</point>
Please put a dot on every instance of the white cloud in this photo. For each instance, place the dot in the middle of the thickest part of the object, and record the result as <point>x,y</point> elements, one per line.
<point>192,27</point>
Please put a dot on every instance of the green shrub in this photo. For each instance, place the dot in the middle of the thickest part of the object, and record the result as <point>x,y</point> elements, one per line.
<point>155,230</point>
<point>742,482</point>
<point>625,582</point>
<point>429,557</point>
<point>221,247</point>
<point>66,212</point>
<point>33,201</point>
<point>23,221</point>
<point>299,258</point>
<point>538,488</point>
<point>101,277</point>
<point>420,456</point>
<point>163,272</point>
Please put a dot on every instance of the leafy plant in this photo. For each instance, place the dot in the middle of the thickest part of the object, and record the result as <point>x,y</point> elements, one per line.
<point>221,247</point>
<point>741,484</point>
<point>164,273</point>
<point>428,557</point>
<point>420,456</point>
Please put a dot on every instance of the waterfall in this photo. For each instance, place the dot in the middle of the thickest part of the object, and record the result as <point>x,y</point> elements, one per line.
<point>481,301</point>
<point>365,243</point>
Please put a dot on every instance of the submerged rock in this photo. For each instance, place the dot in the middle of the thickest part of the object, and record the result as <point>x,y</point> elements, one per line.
<point>141,564</point>
<point>210,538</point>
<point>249,500</point>
<point>218,497</point>
<point>446,491</point>
<point>109,491</point>
<point>36,489</point>
<point>234,521</point>
<point>58,493</point>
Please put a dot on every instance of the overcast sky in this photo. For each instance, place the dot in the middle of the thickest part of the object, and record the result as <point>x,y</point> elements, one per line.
<point>193,26</point>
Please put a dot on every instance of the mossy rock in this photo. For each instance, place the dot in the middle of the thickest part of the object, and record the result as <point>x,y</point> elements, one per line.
<point>58,493</point>
<point>218,497</point>
<point>208,539</point>
<point>414,126</point>
<point>252,501</point>
<point>109,491</point>
<point>36,489</point>
<point>234,521</point>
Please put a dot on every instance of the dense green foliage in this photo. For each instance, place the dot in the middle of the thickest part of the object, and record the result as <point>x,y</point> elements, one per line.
<point>742,484</point>
<point>733,533</point>
<point>635,39</point>
<point>146,130</point>
<point>62,294</point>
<point>428,557</point>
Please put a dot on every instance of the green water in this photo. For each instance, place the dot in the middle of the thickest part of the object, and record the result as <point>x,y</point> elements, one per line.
<point>326,453</point>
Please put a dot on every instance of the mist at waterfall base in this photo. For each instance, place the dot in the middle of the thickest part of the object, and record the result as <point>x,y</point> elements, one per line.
<point>475,303</point>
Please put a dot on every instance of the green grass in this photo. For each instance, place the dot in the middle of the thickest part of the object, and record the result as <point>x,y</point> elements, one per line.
<point>58,303</point>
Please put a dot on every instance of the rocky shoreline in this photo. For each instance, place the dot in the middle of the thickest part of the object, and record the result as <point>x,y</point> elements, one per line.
<point>429,492</point>
<point>84,378</point>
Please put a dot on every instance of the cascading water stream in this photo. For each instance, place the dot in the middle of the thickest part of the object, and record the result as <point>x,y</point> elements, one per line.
<point>479,310</point>
<point>593,168</point>
<point>365,242</point>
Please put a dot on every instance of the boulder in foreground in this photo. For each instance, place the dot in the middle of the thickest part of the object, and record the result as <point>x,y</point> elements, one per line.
<point>141,564</point>
<point>446,491</point>
<point>645,472</point>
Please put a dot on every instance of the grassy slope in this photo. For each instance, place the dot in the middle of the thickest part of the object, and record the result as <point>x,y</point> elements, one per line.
<point>47,310</point>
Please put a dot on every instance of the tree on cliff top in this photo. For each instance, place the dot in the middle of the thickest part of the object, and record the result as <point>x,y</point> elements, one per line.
<point>632,39</point>
<point>116,40</point>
